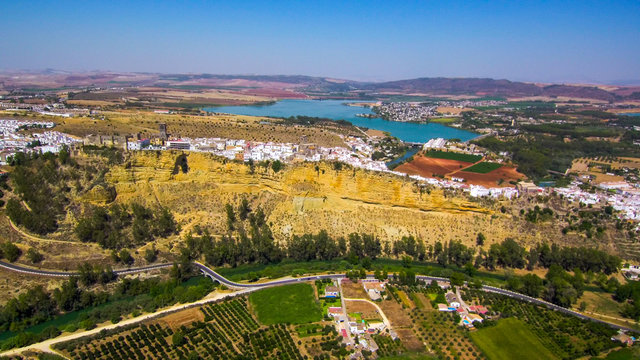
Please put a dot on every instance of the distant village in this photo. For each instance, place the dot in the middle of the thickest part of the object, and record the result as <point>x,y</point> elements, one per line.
<point>421,111</point>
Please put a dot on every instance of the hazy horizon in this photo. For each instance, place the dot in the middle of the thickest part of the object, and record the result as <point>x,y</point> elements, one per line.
<point>554,42</point>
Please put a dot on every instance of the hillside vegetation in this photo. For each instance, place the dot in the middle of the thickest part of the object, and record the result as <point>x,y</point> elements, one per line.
<point>299,199</point>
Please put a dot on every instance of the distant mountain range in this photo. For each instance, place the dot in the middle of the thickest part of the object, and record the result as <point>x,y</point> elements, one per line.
<point>318,86</point>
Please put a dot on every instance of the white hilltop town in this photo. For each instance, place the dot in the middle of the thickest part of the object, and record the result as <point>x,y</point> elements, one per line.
<point>356,152</point>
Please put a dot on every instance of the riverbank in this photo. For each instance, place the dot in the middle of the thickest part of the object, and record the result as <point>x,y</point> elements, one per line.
<point>337,110</point>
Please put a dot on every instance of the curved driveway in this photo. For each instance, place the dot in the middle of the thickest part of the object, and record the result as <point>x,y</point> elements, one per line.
<point>215,276</point>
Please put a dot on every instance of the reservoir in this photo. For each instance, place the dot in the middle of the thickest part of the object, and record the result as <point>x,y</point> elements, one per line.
<point>336,110</point>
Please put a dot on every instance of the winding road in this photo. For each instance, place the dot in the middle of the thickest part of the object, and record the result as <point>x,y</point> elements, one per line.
<point>246,288</point>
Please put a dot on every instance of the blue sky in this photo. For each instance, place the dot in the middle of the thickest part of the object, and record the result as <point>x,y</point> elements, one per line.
<point>550,41</point>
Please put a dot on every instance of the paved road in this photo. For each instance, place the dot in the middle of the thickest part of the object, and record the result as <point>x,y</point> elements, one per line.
<point>215,276</point>
<point>38,272</point>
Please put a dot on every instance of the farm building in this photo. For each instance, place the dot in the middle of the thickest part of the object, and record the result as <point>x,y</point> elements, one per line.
<point>331,292</point>
<point>452,300</point>
<point>624,339</point>
<point>334,311</point>
<point>357,328</point>
<point>478,309</point>
<point>374,289</point>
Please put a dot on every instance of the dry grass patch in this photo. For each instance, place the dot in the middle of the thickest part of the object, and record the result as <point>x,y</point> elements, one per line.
<point>183,317</point>
<point>353,290</point>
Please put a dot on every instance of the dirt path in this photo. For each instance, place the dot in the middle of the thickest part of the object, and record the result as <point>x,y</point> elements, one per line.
<point>627,322</point>
<point>39,239</point>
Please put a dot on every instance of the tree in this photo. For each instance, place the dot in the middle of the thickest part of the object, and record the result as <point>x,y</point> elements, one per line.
<point>480,239</point>
<point>106,276</point>
<point>511,254</point>
<point>165,223</point>
<point>243,209</point>
<point>371,246</point>
<point>64,155</point>
<point>407,277</point>
<point>277,165</point>
<point>476,284</point>
<point>231,216</point>
<point>178,338</point>
<point>10,251</point>
<point>469,269</point>
<point>356,245</point>
<point>125,257</point>
<point>86,274</point>
<point>531,285</point>
<point>407,261</point>
<point>150,254</point>
<point>34,256</point>
<point>532,258</point>
<point>583,306</point>
<point>456,279</point>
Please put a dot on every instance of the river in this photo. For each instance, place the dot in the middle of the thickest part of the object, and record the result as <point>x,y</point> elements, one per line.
<point>336,110</point>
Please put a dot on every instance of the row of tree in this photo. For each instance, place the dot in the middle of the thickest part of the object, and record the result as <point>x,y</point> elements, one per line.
<point>558,286</point>
<point>38,305</point>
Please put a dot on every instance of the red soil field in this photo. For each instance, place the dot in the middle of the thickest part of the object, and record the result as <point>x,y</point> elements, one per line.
<point>430,167</point>
<point>492,178</point>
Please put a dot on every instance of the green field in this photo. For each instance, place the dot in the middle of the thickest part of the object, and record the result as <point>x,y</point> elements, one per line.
<point>483,167</point>
<point>623,354</point>
<point>294,304</point>
<point>309,330</point>
<point>442,120</point>
<point>510,339</point>
<point>452,156</point>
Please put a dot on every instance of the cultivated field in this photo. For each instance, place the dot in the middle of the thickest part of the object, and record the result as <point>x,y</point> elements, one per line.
<point>601,167</point>
<point>222,126</point>
<point>500,177</point>
<point>453,156</point>
<point>229,331</point>
<point>511,339</point>
<point>438,164</point>
<point>291,304</point>
<point>483,167</point>
<point>366,310</point>
<point>431,167</point>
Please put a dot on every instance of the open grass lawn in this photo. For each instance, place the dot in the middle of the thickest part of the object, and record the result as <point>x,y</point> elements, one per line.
<point>452,156</point>
<point>295,304</point>
<point>510,339</point>
<point>624,354</point>
<point>483,167</point>
<point>309,330</point>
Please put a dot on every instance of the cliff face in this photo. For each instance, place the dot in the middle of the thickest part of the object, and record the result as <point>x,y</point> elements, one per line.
<point>300,199</point>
